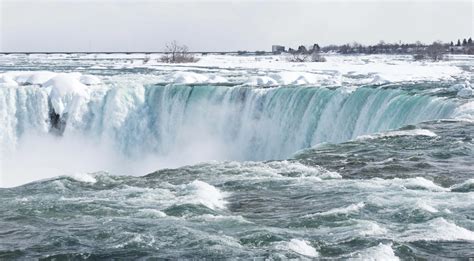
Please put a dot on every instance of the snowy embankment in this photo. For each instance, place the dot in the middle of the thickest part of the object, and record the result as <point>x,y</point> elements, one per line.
<point>272,70</point>
<point>338,70</point>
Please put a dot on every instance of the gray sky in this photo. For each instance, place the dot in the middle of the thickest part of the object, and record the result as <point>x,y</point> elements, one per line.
<point>68,25</point>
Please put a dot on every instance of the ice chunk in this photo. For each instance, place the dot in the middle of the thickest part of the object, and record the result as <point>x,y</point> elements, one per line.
<point>192,78</point>
<point>89,80</point>
<point>261,81</point>
<point>5,80</point>
<point>66,89</point>
<point>39,77</point>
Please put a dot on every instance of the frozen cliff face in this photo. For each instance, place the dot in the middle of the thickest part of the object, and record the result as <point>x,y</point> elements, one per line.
<point>66,93</point>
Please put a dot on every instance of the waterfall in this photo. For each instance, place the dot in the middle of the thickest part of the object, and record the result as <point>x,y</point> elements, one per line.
<point>239,123</point>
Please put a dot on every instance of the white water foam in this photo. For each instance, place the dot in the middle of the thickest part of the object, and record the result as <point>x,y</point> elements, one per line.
<point>84,177</point>
<point>438,229</point>
<point>302,247</point>
<point>203,193</point>
<point>414,132</point>
<point>382,252</point>
<point>353,208</point>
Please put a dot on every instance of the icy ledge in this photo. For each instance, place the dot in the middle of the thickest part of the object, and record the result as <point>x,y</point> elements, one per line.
<point>66,90</point>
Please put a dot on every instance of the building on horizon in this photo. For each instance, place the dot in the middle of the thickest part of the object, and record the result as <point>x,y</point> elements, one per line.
<point>278,49</point>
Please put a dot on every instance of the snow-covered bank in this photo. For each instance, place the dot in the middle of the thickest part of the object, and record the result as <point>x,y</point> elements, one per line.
<point>264,71</point>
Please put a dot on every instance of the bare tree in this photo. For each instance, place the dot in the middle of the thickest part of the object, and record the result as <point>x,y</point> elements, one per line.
<point>317,57</point>
<point>301,56</point>
<point>175,53</point>
<point>435,52</point>
<point>298,57</point>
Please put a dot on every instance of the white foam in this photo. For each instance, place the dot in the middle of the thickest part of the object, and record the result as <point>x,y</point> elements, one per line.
<point>370,228</point>
<point>302,247</point>
<point>286,167</point>
<point>206,194</point>
<point>420,183</point>
<point>381,252</point>
<point>149,212</point>
<point>414,132</point>
<point>217,218</point>
<point>84,177</point>
<point>465,186</point>
<point>353,208</point>
<point>426,207</point>
<point>281,169</point>
<point>465,111</point>
<point>438,229</point>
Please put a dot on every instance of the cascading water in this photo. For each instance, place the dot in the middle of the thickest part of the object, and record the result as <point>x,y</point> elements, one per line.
<point>233,123</point>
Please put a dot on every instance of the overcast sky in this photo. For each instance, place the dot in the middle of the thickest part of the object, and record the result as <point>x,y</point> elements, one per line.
<point>68,25</point>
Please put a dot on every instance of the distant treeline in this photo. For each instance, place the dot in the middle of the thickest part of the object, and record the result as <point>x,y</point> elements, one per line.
<point>465,46</point>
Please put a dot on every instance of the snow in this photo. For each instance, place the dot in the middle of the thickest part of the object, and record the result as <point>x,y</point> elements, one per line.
<point>7,81</point>
<point>464,90</point>
<point>39,77</point>
<point>66,90</point>
<point>192,78</point>
<point>89,80</point>
<point>261,81</point>
<point>268,71</point>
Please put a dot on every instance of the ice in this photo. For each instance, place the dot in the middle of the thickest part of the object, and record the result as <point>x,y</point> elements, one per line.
<point>465,92</point>
<point>66,92</point>
<point>262,81</point>
<point>5,80</point>
<point>39,77</point>
<point>302,78</point>
<point>192,78</point>
<point>90,80</point>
